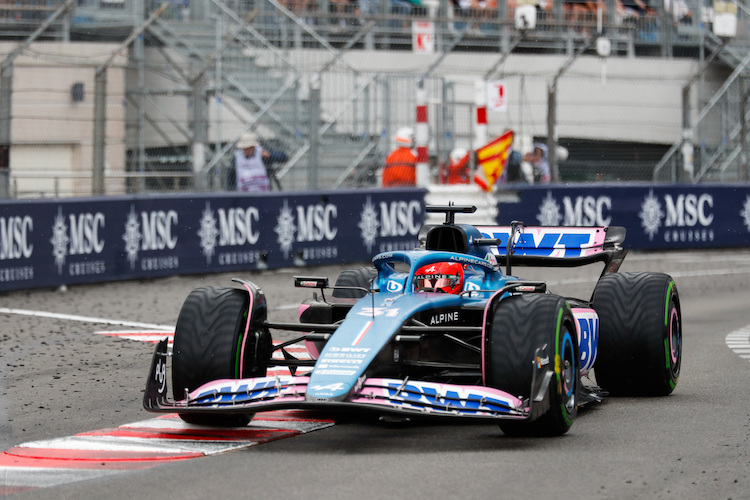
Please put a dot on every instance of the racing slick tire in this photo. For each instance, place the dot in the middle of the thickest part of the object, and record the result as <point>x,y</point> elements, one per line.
<point>361,276</point>
<point>517,327</point>
<point>208,342</point>
<point>640,334</point>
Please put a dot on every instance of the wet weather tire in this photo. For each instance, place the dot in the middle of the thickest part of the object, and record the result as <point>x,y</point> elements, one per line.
<point>208,342</point>
<point>361,276</point>
<point>517,327</point>
<point>640,334</point>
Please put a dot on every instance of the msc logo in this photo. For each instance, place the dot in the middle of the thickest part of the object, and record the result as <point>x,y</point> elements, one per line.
<point>686,217</point>
<point>79,237</point>
<point>395,218</point>
<point>15,234</point>
<point>578,211</point>
<point>149,230</point>
<point>237,226</point>
<point>157,230</point>
<point>312,223</point>
<point>399,218</point>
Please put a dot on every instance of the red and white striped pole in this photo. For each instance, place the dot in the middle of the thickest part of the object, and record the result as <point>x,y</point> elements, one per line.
<point>480,100</point>
<point>422,137</point>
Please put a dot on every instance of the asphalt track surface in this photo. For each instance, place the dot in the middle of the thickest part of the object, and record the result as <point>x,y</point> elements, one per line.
<point>58,378</point>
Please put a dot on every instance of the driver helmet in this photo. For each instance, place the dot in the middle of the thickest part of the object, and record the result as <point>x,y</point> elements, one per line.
<point>446,277</point>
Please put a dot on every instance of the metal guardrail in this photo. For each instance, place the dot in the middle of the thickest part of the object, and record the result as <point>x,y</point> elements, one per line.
<point>175,179</point>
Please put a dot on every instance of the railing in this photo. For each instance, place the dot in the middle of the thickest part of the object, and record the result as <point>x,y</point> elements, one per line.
<point>716,135</point>
<point>63,184</point>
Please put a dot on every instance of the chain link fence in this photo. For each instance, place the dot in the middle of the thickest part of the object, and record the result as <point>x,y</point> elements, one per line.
<point>329,83</point>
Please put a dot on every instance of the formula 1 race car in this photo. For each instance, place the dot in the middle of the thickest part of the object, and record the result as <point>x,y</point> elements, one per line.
<point>439,331</point>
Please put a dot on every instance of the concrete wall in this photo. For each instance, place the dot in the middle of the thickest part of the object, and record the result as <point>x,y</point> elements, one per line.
<point>51,135</point>
<point>627,99</point>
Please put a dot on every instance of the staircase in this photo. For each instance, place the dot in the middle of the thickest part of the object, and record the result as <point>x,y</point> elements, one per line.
<point>718,132</point>
<point>259,78</point>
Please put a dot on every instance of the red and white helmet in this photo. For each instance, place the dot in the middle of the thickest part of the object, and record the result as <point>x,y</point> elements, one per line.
<point>446,277</point>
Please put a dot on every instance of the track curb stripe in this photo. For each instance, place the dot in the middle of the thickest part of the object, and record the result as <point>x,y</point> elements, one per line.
<point>136,446</point>
<point>739,342</point>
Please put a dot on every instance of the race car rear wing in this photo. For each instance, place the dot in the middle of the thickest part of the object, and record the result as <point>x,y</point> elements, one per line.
<point>549,246</point>
<point>538,246</point>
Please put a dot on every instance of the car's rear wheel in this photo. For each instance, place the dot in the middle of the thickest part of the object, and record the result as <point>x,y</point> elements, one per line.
<point>210,344</point>
<point>517,327</point>
<point>360,276</point>
<point>640,334</point>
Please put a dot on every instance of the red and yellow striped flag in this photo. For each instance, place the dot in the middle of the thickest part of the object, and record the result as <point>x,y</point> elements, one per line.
<point>492,159</point>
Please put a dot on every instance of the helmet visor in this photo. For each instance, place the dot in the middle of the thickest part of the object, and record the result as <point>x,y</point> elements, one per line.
<point>436,281</point>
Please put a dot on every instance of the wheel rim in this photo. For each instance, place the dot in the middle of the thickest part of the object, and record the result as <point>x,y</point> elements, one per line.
<point>568,372</point>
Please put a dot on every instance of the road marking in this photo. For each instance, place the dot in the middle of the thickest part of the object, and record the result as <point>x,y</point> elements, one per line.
<point>85,319</point>
<point>139,445</point>
<point>739,342</point>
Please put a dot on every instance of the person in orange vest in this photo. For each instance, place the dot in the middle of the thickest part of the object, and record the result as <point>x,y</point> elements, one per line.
<point>458,167</point>
<point>400,168</point>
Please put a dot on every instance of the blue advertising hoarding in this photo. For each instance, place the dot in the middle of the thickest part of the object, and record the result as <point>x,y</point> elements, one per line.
<point>655,216</point>
<point>47,243</point>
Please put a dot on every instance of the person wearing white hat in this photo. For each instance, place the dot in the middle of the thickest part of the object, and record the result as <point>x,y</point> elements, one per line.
<point>251,162</point>
<point>401,164</point>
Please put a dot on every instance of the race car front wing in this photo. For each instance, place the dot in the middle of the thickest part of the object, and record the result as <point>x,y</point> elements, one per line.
<point>381,395</point>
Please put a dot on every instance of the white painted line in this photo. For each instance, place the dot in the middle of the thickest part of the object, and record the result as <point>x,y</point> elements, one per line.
<point>84,319</point>
<point>41,477</point>
<point>104,443</point>
<point>739,342</point>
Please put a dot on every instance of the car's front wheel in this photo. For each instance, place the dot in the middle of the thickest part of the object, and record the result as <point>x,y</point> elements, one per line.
<point>214,340</point>
<point>517,327</point>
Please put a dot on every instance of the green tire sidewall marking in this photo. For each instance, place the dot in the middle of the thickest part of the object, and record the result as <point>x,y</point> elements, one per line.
<point>238,354</point>
<point>666,305</point>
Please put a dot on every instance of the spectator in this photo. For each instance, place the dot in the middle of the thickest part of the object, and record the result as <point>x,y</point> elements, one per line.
<point>458,167</point>
<point>401,165</point>
<point>251,165</point>
<point>369,7</point>
<point>581,13</point>
<point>680,12</point>
<point>514,172</point>
<point>538,158</point>
<point>403,8</point>
<point>636,8</point>
<point>343,11</point>
<point>475,11</point>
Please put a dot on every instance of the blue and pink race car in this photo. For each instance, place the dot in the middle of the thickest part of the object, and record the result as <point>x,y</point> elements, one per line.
<point>439,331</point>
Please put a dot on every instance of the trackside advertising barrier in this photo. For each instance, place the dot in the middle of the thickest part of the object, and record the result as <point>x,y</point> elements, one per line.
<point>48,243</point>
<point>655,216</point>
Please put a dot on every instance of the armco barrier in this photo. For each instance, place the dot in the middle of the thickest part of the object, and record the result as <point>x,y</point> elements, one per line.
<point>655,216</point>
<point>48,243</point>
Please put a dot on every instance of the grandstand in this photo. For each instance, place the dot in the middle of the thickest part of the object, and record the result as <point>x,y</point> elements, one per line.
<point>121,96</point>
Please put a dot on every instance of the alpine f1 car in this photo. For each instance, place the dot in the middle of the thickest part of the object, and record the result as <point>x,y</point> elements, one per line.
<point>439,331</point>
